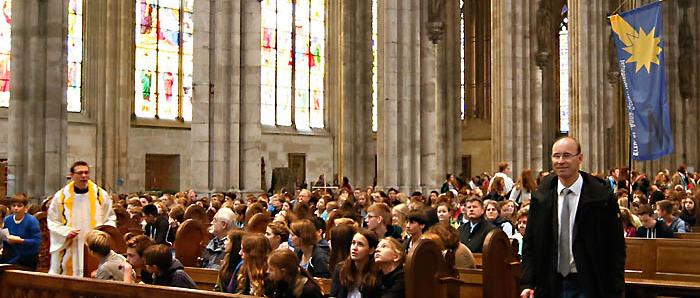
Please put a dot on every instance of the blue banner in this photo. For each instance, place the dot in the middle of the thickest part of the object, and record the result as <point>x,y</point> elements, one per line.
<point>638,37</point>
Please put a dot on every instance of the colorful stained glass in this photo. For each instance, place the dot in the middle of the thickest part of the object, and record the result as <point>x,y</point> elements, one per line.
<point>292,63</point>
<point>375,80</point>
<point>163,70</point>
<point>5,46</point>
<point>75,55</point>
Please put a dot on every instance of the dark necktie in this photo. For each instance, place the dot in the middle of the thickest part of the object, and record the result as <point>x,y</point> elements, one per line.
<point>564,236</point>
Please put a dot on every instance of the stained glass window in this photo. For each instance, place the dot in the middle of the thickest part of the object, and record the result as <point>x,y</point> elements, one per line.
<point>375,81</point>
<point>5,44</point>
<point>75,55</point>
<point>292,63</point>
<point>163,69</point>
<point>564,72</point>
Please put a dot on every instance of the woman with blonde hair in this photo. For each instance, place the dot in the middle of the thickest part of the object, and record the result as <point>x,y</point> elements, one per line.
<point>523,188</point>
<point>250,276</point>
<point>389,257</point>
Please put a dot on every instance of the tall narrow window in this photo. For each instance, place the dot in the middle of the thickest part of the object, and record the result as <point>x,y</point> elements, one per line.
<point>462,92</point>
<point>75,55</point>
<point>292,63</point>
<point>564,71</point>
<point>375,80</point>
<point>5,46</point>
<point>163,68</point>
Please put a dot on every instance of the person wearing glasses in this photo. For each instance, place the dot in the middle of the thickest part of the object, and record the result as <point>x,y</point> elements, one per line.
<point>572,245</point>
<point>75,210</point>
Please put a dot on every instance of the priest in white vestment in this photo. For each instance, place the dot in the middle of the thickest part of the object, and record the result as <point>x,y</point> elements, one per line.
<point>75,210</point>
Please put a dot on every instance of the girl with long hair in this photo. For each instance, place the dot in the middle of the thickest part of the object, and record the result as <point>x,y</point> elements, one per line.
<point>341,238</point>
<point>250,275</point>
<point>358,275</point>
<point>231,260</point>
<point>389,257</point>
<point>313,256</point>
<point>287,279</point>
<point>523,188</point>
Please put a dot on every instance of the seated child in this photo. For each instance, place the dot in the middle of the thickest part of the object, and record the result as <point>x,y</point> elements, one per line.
<point>24,236</point>
<point>111,263</point>
<point>166,270</point>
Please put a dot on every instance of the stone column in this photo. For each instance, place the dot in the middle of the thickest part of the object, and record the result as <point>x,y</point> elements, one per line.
<point>108,87</point>
<point>217,121</point>
<point>588,38</point>
<point>430,132</point>
<point>387,103</point>
<point>518,96</point>
<point>37,113</point>
<point>250,133</point>
<point>350,82</point>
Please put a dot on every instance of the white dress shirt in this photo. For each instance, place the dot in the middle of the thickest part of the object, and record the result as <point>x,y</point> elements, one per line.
<point>573,206</point>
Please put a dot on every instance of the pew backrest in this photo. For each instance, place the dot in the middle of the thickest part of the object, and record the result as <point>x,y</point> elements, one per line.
<point>190,240</point>
<point>44,256</point>
<point>663,259</point>
<point>20,284</point>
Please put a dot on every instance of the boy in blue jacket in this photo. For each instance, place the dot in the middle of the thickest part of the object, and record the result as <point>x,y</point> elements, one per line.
<point>25,234</point>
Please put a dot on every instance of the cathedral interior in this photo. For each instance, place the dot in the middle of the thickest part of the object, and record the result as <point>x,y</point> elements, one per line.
<point>215,95</point>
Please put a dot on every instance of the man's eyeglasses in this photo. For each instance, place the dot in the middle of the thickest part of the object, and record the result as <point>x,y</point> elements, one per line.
<point>82,172</point>
<point>564,156</point>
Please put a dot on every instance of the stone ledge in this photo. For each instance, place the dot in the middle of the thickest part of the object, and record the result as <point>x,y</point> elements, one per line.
<point>289,130</point>
<point>159,123</point>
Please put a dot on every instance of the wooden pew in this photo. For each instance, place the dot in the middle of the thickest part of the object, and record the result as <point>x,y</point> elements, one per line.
<point>191,238</point>
<point>44,255</point>
<point>20,284</point>
<point>668,267</point>
<point>428,275</point>
<point>693,236</point>
<point>206,279</point>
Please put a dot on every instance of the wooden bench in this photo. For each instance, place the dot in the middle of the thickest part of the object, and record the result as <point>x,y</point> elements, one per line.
<point>206,279</point>
<point>428,275</point>
<point>668,267</point>
<point>20,284</point>
<point>693,236</point>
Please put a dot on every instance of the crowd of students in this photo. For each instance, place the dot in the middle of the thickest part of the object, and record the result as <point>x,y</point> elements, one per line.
<point>358,238</point>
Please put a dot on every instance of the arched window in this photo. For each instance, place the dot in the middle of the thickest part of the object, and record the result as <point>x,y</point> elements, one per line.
<point>163,68</point>
<point>74,78</point>
<point>5,46</point>
<point>564,71</point>
<point>292,63</point>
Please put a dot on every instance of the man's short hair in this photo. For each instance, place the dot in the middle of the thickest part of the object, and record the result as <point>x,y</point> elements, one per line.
<point>502,166</point>
<point>20,198</point>
<point>666,206</point>
<point>392,189</point>
<point>77,164</point>
<point>475,199</point>
<point>381,209</point>
<point>280,229</point>
<point>139,243</point>
<point>578,144</point>
<point>644,209</point>
<point>226,215</point>
<point>150,209</point>
<point>420,217</point>
<point>158,255</point>
<point>98,242</point>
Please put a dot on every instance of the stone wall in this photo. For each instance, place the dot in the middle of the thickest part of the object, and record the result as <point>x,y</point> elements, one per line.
<point>147,140</point>
<point>318,150</point>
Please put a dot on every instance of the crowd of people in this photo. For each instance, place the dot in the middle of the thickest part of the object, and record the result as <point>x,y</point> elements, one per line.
<point>359,238</point>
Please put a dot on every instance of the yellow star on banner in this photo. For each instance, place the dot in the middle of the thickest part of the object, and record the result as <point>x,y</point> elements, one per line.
<point>644,50</point>
<point>642,46</point>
